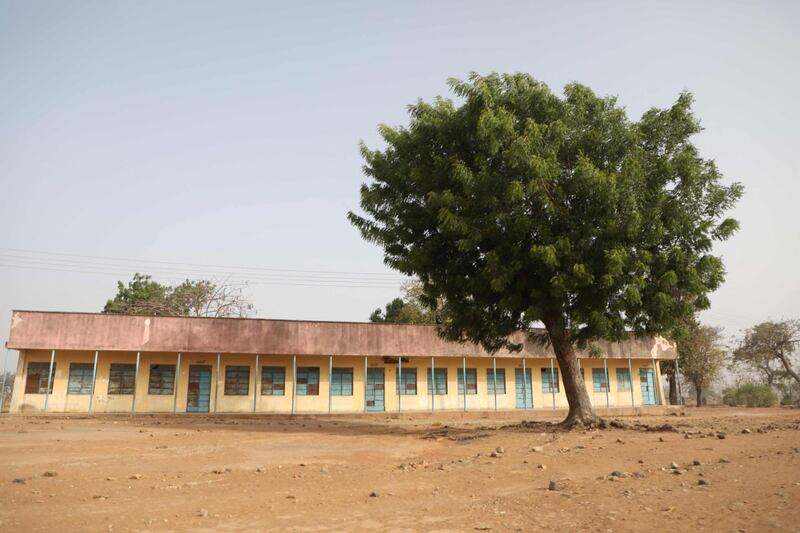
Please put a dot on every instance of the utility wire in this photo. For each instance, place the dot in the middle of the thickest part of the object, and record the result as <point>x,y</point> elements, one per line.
<point>201,265</point>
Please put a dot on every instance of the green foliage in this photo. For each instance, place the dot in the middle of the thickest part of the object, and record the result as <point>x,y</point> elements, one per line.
<point>516,207</point>
<point>391,314</point>
<point>143,296</point>
<point>410,309</point>
<point>770,348</point>
<point>700,355</point>
<point>750,395</point>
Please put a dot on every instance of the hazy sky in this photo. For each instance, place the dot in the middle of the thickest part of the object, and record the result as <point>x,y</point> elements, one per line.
<point>226,133</point>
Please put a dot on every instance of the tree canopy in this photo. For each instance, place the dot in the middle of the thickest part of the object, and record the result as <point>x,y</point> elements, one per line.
<point>515,207</point>
<point>770,348</point>
<point>701,356</point>
<point>144,296</point>
<point>410,309</point>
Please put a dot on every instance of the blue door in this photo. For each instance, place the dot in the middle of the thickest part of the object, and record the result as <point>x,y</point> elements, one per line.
<point>375,389</point>
<point>524,388</point>
<point>648,382</point>
<point>199,395</point>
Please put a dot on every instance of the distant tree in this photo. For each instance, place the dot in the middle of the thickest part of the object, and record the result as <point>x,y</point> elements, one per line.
<point>410,309</point>
<point>701,355</point>
<point>391,314</point>
<point>770,348</point>
<point>143,296</point>
<point>518,208</point>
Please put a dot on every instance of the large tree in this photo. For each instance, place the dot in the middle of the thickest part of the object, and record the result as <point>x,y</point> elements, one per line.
<point>516,207</point>
<point>410,309</point>
<point>144,296</point>
<point>770,349</point>
<point>700,355</point>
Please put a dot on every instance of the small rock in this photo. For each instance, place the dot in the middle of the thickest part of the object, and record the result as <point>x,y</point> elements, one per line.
<point>721,435</point>
<point>202,513</point>
<point>553,486</point>
<point>673,465</point>
<point>20,480</point>
<point>374,494</point>
<point>702,481</point>
<point>746,431</point>
<point>696,462</point>
<point>541,467</point>
<point>135,476</point>
<point>617,473</point>
<point>50,473</point>
<point>493,454</point>
<point>723,460</point>
<point>101,497</point>
<point>620,441</point>
<point>500,449</point>
<point>260,470</point>
<point>537,449</point>
<point>109,478</point>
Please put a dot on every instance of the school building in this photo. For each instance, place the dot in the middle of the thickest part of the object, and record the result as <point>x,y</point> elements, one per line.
<point>104,363</point>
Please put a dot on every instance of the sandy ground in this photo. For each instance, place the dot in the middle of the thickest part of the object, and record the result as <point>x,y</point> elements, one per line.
<point>441,472</point>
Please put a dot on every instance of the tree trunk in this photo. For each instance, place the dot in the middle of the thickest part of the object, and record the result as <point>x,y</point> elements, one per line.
<point>580,407</point>
<point>673,389</point>
<point>699,396</point>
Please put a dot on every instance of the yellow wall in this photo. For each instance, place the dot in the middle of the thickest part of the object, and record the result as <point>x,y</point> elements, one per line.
<point>102,402</point>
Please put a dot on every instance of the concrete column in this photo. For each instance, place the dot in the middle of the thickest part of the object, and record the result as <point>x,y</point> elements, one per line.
<point>49,380</point>
<point>255,385</point>
<point>94,381</point>
<point>330,380</point>
<point>553,385</point>
<point>630,376</point>
<point>294,380</point>
<point>678,382</point>
<point>399,381</point>
<point>525,385</point>
<point>135,384</point>
<point>608,381</point>
<point>494,371</point>
<point>216,383</point>
<point>365,384</point>
<point>464,367</point>
<point>177,384</point>
<point>433,383</point>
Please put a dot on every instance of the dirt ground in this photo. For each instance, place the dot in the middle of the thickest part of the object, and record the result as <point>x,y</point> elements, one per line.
<point>440,472</point>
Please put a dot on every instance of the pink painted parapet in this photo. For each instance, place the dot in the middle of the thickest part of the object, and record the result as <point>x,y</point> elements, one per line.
<point>98,331</point>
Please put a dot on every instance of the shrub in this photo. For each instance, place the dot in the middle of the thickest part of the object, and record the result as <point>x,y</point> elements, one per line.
<point>750,395</point>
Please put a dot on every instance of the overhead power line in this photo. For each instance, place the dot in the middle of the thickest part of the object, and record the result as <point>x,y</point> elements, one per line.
<point>229,267</point>
<point>123,267</point>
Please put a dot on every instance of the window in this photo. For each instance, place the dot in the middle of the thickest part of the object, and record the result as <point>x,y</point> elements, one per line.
<point>501,380</point>
<point>407,381</point>
<point>550,380</point>
<point>472,381</point>
<point>36,381</point>
<point>623,380</point>
<point>441,381</point>
<point>342,382</point>
<point>162,379</point>
<point>237,380</point>
<point>273,381</point>
<point>308,381</point>
<point>121,379</point>
<point>80,378</point>
<point>599,380</point>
